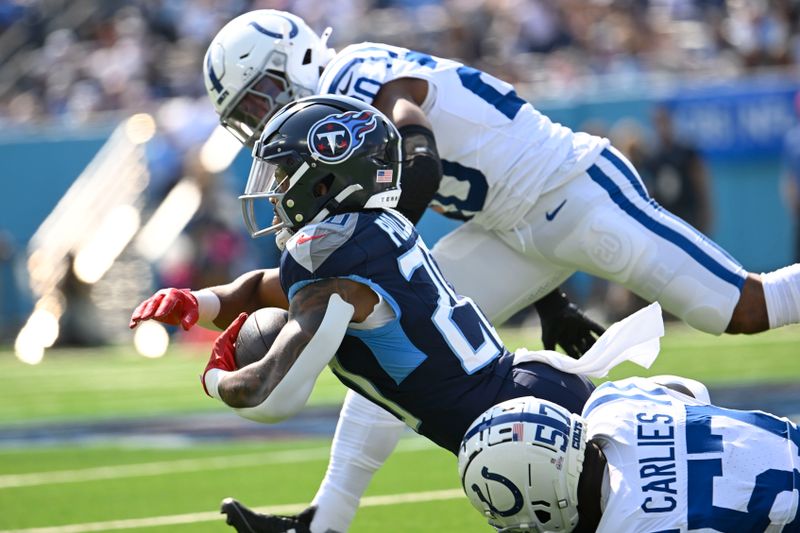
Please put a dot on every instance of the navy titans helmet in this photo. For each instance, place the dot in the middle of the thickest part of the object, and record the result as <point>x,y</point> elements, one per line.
<point>320,156</point>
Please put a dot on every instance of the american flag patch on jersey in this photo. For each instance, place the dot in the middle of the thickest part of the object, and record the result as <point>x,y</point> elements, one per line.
<point>518,432</point>
<point>384,176</point>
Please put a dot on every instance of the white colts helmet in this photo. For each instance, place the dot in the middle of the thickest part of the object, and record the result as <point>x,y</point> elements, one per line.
<point>520,463</point>
<point>259,62</point>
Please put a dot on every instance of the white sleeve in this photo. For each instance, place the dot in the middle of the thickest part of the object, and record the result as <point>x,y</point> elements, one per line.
<point>291,394</point>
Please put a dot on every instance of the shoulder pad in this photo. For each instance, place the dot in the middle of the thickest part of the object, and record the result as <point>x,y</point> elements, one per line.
<point>315,243</point>
<point>362,61</point>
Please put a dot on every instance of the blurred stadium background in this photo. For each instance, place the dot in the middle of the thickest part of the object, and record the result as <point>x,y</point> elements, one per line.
<point>116,181</point>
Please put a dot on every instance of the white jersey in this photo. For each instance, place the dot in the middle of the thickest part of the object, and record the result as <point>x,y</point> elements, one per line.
<point>498,153</point>
<point>676,464</point>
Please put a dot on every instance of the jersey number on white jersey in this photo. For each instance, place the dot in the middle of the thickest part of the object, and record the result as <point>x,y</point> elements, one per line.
<point>706,450</point>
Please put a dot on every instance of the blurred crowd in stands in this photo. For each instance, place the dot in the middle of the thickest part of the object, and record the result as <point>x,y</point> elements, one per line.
<point>74,62</point>
<point>70,59</point>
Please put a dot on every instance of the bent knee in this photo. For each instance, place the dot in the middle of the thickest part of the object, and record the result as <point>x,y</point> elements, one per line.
<point>707,307</point>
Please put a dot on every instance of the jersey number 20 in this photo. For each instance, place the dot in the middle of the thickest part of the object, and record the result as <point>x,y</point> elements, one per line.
<point>455,315</point>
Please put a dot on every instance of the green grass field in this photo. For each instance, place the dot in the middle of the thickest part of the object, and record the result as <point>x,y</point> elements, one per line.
<point>144,486</point>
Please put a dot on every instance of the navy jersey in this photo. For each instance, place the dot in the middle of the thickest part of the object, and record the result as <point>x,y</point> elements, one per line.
<point>439,363</point>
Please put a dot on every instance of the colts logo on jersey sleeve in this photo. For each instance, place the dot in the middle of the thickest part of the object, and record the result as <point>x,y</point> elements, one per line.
<point>334,138</point>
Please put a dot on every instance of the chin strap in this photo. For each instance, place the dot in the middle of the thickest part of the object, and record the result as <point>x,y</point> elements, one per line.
<point>281,238</point>
<point>330,208</point>
<point>333,204</point>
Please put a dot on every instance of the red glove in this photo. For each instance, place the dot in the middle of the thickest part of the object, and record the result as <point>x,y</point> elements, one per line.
<point>169,306</point>
<point>222,354</point>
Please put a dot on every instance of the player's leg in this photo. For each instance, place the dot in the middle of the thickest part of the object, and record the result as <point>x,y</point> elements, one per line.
<point>365,436</point>
<point>495,273</point>
<point>610,227</point>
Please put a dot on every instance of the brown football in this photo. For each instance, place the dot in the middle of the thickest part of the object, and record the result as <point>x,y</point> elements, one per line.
<point>258,333</point>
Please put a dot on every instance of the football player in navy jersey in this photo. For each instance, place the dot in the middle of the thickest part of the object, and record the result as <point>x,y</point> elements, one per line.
<point>539,200</point>
<point>365,295</point>
<point>366,298</point>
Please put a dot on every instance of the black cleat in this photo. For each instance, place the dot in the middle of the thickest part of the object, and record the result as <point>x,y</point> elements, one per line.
<point>244,520</point>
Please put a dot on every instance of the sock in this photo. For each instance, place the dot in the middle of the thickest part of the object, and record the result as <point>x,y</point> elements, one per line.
<point>365,436</point>
<point>782,294</point>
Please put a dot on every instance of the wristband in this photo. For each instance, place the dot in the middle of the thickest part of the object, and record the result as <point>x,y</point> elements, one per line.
<point>208,305</point>
<point>211,380</point>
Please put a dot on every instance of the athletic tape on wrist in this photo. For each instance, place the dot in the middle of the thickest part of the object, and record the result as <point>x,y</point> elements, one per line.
<point>208,305</point>
<point>212,379</point>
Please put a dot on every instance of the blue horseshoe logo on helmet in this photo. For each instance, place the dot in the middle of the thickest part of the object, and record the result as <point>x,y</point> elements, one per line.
<point>292,31</point>
<point>515,492</point>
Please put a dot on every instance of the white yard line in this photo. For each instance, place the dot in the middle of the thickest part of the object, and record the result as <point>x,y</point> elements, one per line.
<point>190,518</point>
<point>183,465</point>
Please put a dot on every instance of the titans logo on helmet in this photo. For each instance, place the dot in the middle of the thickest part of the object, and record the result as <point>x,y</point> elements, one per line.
<point>334,138</point>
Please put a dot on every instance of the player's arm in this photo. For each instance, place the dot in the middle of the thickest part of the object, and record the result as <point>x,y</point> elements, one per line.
<point>400,100</point>
<point>279,384</point>
<point>247,293</point>
<point>213,307</point>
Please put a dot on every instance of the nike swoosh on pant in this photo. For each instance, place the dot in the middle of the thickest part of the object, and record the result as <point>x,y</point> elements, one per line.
<point>550,215</point>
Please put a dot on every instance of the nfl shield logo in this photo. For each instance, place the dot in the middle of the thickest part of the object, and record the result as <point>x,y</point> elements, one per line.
<point>384,176</point>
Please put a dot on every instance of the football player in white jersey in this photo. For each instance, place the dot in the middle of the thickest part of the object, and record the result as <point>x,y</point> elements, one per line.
<point>646,455</point>
<point>539,200</point>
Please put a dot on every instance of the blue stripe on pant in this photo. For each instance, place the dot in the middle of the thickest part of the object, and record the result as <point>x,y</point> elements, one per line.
<point>656,227</point>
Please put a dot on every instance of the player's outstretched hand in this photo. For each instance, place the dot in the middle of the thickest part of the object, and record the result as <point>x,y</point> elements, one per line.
<point>564,324</point>
<point>222,354</point>
<point>169,306</point>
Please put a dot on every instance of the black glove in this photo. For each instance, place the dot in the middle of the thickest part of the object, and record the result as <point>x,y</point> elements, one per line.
<point>563,323</point>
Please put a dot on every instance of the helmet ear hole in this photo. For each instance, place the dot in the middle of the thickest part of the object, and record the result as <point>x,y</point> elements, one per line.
<point>324,185</point>
<point>319,190</point>
<point>307,57</point>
